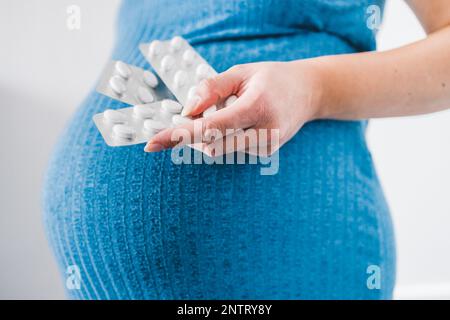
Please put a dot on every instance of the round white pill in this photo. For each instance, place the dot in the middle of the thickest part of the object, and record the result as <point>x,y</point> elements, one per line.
<point>153,126</point>
<point>121,131</point>
<point>180,79</point>
<point>144,95</point>
<point>167,63</point>
<point>143,111</point>
<point>230,101</point>
<point>192,92</point>
<point>123,70</point>
<point>150,79</point>
<point>189,57</point>
<point>117,84</point>
<point>203,71</point>
<point>155,48</point>
<point>176,43</point>
<point>114,117</point>
<point>180,120</point>
<point>209,111</point>
<point>171,106</point>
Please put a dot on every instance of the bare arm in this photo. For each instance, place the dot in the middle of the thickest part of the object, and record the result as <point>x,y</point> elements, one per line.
<point>411,80</point>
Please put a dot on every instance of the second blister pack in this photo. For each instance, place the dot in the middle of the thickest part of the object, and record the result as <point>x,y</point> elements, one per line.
<point>130,84</point>
<point>180,67</point>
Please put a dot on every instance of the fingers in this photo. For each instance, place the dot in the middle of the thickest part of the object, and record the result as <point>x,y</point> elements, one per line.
<point>172,137</point>
<point>258,142</point>
<point>238,141</point>
<point>207,129</point>
<point>240,116</point>
<point>210,91</point>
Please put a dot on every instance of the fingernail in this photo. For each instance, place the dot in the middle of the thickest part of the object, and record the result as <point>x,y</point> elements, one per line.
<point>190,105</point>
<point>153,147</point>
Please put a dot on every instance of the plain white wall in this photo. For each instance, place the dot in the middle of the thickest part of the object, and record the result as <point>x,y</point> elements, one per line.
<point>45,72</point>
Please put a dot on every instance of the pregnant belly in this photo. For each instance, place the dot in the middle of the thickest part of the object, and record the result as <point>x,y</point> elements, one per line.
<point>140,226</point>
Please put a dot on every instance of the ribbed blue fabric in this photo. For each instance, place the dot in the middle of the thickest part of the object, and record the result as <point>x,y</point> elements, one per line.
<point>141,227</point>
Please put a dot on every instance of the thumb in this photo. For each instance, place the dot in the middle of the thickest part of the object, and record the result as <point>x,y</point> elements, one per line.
<point>212,90</point>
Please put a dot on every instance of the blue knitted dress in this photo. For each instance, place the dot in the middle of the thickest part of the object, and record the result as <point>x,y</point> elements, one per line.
<point>138,226</point>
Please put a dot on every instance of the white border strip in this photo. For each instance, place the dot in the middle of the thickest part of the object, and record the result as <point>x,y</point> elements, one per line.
<point>438,291</point>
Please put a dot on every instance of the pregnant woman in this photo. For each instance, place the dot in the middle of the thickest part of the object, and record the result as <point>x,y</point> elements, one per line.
<point>135,225</point>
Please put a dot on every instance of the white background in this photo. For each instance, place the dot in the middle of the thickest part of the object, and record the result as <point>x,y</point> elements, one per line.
<point>45,71</point>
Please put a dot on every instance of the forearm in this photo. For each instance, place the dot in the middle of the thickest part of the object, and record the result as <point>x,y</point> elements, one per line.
<point>411,80</point>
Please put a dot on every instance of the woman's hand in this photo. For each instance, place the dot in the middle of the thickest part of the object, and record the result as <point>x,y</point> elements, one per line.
<point>410,80</point>
<point>271,95</point>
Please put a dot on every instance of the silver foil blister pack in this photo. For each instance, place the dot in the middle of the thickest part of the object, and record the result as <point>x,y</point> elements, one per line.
<point>137,124</point>
<point>130,84</point>
<point>180,67</point>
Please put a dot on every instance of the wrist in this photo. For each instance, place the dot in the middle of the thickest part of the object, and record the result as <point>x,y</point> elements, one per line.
<point>320,81</point>
<point>327,99</point>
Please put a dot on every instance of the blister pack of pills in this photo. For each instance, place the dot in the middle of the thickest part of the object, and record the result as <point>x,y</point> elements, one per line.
<point>130,84</point>
<point>180,67</point>
<point>137,124</point>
